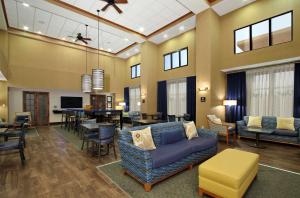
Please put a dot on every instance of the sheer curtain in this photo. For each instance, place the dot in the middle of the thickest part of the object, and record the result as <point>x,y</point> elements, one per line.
<point>135,99</point>
<point>176,96</point>
<point>270,91</point>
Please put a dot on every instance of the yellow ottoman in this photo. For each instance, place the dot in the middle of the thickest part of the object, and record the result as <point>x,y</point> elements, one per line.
<point>228,174</point>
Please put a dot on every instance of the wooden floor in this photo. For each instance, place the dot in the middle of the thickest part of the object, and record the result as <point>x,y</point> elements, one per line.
<point>55,168</point>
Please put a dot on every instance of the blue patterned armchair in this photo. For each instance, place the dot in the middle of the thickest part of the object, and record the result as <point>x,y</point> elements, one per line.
<point>173,152</point>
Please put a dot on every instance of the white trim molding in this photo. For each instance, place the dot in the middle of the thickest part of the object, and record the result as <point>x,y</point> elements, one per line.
<point>258,65</point>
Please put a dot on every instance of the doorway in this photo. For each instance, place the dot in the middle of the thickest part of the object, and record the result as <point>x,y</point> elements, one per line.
<point>37,103</point>
<point>98,101</point>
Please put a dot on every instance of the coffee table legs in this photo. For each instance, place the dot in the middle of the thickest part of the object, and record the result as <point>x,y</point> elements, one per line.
<point>257,142</point>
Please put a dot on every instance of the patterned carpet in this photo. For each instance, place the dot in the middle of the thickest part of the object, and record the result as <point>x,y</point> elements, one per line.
<point>270,183</point>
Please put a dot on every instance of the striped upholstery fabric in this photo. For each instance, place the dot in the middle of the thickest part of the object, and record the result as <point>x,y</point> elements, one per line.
<point>269,122</point>
<point>219,128</point>
<point>139,163</point>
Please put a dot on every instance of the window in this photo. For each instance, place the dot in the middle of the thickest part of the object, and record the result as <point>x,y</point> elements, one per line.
<point>272,31</point>
<point>134,99</point>
<point>176,95</point>
<point>136,71</point>
<point>270,91</point>
<point>176,59</point>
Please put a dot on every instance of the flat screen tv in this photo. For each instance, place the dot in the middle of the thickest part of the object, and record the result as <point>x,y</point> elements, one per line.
<point>70,102</point>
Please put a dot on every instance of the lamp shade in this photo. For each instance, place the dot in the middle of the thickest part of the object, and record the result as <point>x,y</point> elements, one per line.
<point>122,104</point>
<point>86,83</point>
<point>230,102</point>
<point>98,79</point>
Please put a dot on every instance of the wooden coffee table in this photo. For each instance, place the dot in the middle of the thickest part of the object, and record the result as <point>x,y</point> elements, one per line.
<point>257,132</point>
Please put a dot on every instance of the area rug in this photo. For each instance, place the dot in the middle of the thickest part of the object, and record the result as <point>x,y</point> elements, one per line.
<point>69,136</point>
<point>270,183</point>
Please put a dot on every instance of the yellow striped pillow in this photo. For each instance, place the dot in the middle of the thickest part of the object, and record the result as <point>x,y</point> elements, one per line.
<point>286,123</point>
<point>254,121</point>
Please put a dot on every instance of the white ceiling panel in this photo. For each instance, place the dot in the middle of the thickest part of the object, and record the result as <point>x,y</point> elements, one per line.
<point>130,52</point>
<point>54,21</point>
<point>137,13</point>
<point>195,6</point>
<point>174,31</point>
<point>226,6</point>
<point>3,25</point>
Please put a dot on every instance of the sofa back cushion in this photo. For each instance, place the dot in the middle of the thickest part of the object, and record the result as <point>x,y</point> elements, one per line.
<point>156,129</point>
<point>270,122</point>
<point>172,136</point>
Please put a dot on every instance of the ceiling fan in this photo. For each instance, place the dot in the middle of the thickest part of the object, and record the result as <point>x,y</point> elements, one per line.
<point>113,3</point>
<point>79,37</point>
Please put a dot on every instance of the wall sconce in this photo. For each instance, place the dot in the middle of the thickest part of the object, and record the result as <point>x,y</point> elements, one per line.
<point>229,102</point>
<point>3,105</point>
<point>143,97</point>
<point>203,89</point>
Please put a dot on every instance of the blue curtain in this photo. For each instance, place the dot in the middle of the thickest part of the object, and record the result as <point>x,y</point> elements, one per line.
<point>297,91</point>
<point>191,96</point>
<point>162,98</point>
<point>126,99</point>
<point>236,90</point>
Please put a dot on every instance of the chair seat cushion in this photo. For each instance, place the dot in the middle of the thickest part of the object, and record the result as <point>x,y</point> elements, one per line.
<point>9,145</point>
<point>106,141</point>
<point>170,153</point>
<point>91,135</point>
<point>284,132</point>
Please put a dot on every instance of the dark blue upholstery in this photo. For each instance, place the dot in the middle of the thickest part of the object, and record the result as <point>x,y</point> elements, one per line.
<point>285,132</point>
<point>171,118</point>
<point>172,136</point>
<point>167,154</point>
<point>21,118</point>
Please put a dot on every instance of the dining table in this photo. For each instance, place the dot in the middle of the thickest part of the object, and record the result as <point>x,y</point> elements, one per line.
<point>95,126</point>
<point>147,121</point>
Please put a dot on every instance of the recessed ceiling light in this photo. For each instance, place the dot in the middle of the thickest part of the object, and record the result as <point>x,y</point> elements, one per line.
<point>73,40</point>
<point>141,29</point>
<point>127,54</point>
<point>136,50</point>
<point>25,4</point>
<point>181,28</point>
<point>109,50</point>
<point>165,36</point>
<point>39,32</point>
<point>63,38</point>
<point>26,28</point>
<point>101,48</point>
<point>126,39</point>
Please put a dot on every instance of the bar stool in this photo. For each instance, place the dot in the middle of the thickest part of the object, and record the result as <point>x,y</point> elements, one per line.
<point>63,118</point>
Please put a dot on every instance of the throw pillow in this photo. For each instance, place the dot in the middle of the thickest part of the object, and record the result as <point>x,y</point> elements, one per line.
<point>254,121</point>
<point>143,139</point>
<point>190,130</point>
<point>285,123</point>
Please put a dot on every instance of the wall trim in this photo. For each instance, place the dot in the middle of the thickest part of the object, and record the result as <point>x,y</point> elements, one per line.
<point>258,65</point>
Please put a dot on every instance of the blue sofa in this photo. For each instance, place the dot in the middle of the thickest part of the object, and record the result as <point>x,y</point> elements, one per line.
<point>270,122</point>
<point>173,152</point>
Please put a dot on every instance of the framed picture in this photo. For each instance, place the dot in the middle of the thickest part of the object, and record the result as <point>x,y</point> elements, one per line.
<point>109,105</point>
<point>109,98</point>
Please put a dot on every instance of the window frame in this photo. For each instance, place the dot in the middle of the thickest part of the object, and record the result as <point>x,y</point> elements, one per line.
<point>270,32</point>
<point>179,54</point>
<point>135,68</point>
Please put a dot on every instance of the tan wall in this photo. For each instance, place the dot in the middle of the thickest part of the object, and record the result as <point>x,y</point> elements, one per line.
<point>52,66</point>
<point>3,100</point>
<point>3,52</point>
<point>185,40</point>
<point>136,59</point>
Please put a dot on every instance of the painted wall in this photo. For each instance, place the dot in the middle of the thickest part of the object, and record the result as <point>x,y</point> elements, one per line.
<point>3,100</point>
<point>3,52</point>
<point>184,40</point>
<point>136,59</point>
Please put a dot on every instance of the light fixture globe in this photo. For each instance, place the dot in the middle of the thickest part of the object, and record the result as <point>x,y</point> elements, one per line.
<point>98,79</point>
<point>86,83</point>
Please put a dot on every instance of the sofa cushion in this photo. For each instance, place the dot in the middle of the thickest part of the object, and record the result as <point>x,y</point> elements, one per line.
<point>172,136</point>
<point>200,144</point>
<point>284,132</point>
<point>170,153</point>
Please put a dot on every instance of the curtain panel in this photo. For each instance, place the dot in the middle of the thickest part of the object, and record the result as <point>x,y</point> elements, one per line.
<point>176,96</point>
<point>191,97</point>
<point>162,98</point>
<point>135,99</point>
<point>297,91</point>
<point>126,99</point>
<point>236,90</point>
<point>270,91</point>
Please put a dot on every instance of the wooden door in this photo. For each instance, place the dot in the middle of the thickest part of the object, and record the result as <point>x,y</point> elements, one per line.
<point>98,101</point>
<point>38,104</point>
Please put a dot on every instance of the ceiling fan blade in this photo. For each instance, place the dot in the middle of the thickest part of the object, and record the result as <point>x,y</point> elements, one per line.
<point>84,41</point>
<point>71,37</point>
<point>121,1</point>
<point>117,8</point>
<point>105,7</point>
<point>87,39</point>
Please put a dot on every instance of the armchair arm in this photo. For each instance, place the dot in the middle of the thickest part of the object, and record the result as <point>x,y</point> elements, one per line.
<point>135,155</point>
<point>206,133</point>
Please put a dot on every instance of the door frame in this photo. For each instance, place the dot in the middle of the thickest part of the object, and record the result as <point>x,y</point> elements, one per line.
<point>36,105</point>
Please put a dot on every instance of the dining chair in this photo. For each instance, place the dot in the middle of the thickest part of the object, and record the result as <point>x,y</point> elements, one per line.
<point>106,137</point>
<point>171,118</point>
<point>88,135</point>
<point>158,116</point>
<point>186,117</point>
<point>13,145</point>
<point>14,133</point>
<point>144,116</point>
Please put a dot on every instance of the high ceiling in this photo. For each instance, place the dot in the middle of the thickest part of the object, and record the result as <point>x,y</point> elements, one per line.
<point>154,20</point>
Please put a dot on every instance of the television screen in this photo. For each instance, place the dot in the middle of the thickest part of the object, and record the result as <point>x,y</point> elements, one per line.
<point>70,102</point>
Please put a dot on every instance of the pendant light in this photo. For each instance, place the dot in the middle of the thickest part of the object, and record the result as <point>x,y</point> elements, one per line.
<point>98,74</point>
<point>86,79</point>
